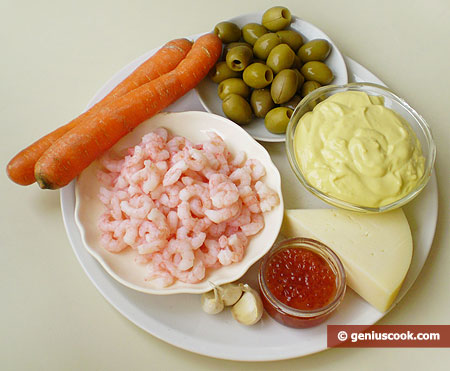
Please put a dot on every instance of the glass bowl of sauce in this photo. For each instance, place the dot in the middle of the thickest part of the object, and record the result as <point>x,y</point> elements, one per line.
<point>360,147</point>
<point>302,282</point>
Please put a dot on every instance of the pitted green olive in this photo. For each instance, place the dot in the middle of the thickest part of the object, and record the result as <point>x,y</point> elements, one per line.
<point>317,71</point>
<point>265,44</point>
<point>261,102</point>
<point>252,32</point>
<point>315,50</point>
<point>292,38</point>
<point>238,58</point>
<point>280,58</point>
<point>233,86</point>
<point>308,87</point>
<point>277,119</point>
<point>227,32</point>
<point>284,86</point>
<point>222,72</point>
<point>237,109</point>
<point>276,18</point>
<point>257,75</point>
<point>236,43</point>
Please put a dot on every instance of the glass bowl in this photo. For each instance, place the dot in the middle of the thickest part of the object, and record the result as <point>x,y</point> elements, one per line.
<point>290,316</point>
<point>392,101</point>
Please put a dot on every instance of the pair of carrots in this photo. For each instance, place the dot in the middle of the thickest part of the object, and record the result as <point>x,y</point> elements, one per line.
<point>59,157</point>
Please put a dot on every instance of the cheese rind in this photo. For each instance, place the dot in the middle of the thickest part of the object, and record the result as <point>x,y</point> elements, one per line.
<point>376,249</point>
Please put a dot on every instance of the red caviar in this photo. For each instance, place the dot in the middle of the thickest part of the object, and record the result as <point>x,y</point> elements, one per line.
<point>301,282</point>
<point>301,279</point>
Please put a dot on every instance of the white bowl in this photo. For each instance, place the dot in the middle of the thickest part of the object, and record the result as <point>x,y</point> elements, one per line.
<point>207,89</point>
<point>192,125</point>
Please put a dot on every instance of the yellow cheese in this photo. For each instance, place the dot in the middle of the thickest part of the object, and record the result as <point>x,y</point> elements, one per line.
<point>376,249</point>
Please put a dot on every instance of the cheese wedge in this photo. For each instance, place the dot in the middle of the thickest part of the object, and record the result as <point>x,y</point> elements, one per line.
<point>376,249</point>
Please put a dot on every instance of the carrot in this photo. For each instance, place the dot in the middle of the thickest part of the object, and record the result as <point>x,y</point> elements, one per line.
<point>78,148</point>
<point>21,167</point>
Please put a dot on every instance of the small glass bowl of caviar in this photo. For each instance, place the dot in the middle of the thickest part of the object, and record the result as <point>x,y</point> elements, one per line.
<point>302,282</point>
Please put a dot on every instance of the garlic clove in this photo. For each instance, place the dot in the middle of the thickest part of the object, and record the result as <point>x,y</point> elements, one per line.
<point>249,309</point>
<point>230,293</point>
<point>212,303</point>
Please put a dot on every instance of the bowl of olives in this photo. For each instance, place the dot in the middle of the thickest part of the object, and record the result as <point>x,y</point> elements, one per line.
<point>270,61</point>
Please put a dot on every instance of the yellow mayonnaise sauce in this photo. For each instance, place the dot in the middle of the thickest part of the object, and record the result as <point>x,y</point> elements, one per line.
<point>355,149</point>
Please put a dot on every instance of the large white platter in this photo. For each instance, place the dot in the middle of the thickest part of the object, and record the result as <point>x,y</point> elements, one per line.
<point>178,319</point>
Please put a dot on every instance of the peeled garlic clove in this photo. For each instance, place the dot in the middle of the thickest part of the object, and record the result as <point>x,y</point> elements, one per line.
<point>212,302</point>
<point>230,293</point>
<point>249,309</point>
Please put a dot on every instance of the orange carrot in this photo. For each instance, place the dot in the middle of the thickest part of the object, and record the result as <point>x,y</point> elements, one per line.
<point>78,148</point>
<point>21,168</point>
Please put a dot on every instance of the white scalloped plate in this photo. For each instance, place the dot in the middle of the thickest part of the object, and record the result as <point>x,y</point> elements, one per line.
<point>194,126</point>
<point>207,89</point>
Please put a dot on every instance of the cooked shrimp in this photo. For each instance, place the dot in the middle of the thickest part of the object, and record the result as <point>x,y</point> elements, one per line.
<point>233,248</point>
<point>268,199</point>
<point>156,272</point>
<point>224,214</point>
<point>181,207</point>
<point>180,254</point>
<point>223,192</point>
<point>254,226</point>
<point>257,170</point>
<point>208,253</point>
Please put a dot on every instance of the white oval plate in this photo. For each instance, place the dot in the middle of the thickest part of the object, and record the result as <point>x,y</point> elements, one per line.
<point>194,126</point>
<point>207,89</point>
<point>178,319</point>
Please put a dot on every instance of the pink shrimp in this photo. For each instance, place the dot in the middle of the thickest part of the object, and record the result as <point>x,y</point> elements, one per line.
<point>208,253</point>
<point>157,273</point>
<point>137,207</point>
<point>182,207</point>
<point>180,254</point>
<point>257,170</point>
<point>196,240</point>
<point>254,226</point>
<point>268,199</point>
<point>195,274</point>
<point>232,248</point>
<point>223,192</point>
<point>174,173</point>
<point>221,215</point>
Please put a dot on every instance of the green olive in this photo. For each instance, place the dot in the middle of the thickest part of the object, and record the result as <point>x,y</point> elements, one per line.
<point>317,71</point>
<point>276,18</point>
<point>222,72</point>
<point>238,58</point>
<point>315,50</point>
<point>277,119</point>
<point>293,102</point>
<point>265,44</point>
<point>284,86</point>
<point>261,102</point>
<point>252,32</point>
<point>297,63</point>
<point>280,58</point>
<point>236,43</point>
<point>300,80</point>
<point>292,38</point>
<point>257,75</point>
<point>237,109</point>
<point>227,32</point>
<point>308,87</point>
<point>233,86</point>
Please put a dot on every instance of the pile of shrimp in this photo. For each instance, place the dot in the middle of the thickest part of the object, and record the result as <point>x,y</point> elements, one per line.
<point>183,208</point>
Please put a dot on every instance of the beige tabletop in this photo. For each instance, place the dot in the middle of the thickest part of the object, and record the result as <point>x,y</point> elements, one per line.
<point>56,54</point>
